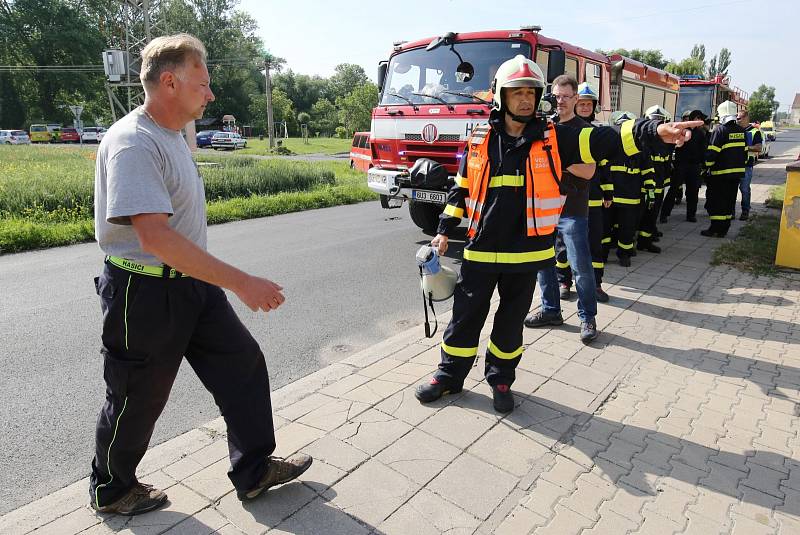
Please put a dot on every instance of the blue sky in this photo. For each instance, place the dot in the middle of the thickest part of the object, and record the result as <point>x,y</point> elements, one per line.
<point>315,36</point>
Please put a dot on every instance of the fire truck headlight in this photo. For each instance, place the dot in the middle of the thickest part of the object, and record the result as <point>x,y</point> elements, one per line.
<point>402,153</point>
<point>460,155</point>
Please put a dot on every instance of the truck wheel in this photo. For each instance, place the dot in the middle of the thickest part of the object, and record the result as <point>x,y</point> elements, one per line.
<point>425,215</point>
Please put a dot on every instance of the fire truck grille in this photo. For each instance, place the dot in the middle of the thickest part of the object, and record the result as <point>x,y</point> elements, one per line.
<point>444,154</point>
<point>444,137</point>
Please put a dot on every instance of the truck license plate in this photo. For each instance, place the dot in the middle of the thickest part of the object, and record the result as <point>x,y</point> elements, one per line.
<point>429,196</point>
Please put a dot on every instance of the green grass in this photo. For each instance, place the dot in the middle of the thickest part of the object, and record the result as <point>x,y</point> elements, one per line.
<point>316,145</point>
<point>46,193</point>
<point>753,250</point>
<point>776,195</point>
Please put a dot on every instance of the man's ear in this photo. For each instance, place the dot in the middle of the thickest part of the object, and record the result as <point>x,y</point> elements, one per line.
<point>167,79</point>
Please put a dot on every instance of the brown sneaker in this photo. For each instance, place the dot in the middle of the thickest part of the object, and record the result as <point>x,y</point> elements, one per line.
<point>279,471</point>
<point>140,499</point>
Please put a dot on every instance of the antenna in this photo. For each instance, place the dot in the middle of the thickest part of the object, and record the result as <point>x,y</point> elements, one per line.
<point>123,63</point>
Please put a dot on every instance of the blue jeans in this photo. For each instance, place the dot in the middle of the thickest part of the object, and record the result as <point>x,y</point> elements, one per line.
<point>575,232</point>
<point>744,187</point>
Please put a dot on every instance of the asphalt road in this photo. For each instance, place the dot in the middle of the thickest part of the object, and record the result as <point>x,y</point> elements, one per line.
<point>350,279</point>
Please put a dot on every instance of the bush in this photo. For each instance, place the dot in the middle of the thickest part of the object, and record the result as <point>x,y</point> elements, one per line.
<point>341,132</point>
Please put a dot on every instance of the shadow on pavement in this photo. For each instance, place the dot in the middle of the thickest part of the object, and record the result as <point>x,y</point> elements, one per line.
<point>633,457</point>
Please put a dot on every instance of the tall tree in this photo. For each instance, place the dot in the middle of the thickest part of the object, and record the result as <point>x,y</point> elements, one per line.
<point>347,77</point>
<point>686,66</point>
<point>324,118</point>
<point>355,110</point>
<point>719,65</point>
<point>762,103</point>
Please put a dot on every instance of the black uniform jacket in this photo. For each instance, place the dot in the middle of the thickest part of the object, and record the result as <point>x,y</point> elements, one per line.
<point>726,154</point>
<point>693,152</point>
<point>502,227</point>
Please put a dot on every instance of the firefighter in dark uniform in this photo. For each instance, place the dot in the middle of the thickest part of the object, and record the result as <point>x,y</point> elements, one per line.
<point>688,162</point>
<point>508,189</point>
<point>601,195</point>
<point>661,158</point>
<point>725,163</point>
<point>633,184</point>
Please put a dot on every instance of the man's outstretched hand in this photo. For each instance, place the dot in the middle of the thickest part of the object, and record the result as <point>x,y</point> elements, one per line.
<point>677,133</point>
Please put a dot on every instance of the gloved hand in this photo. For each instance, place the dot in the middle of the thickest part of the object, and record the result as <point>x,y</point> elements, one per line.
<point>650,198</point>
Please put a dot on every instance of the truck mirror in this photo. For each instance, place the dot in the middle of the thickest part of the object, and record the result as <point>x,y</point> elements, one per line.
<point>382,66</point>
<point>556,65</point>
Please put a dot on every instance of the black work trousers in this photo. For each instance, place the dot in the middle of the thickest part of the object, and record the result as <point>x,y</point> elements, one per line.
<point>688,175</point>
<point>626,217</point>
<point>149,325</point>
<point>597,229</point>
<point>721,202</point>
<point>472,297</point>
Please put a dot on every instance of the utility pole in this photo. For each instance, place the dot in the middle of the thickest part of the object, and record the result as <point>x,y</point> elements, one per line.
<point>270,123</point>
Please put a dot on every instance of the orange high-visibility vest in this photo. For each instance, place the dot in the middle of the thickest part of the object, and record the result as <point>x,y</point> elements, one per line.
<point>544,200</point>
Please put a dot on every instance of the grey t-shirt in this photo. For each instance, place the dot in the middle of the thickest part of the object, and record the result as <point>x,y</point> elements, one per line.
<point>143,168</point>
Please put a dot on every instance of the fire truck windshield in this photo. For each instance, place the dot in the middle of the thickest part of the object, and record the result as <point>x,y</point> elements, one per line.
<point>698,97</point>
<point>459,73</point>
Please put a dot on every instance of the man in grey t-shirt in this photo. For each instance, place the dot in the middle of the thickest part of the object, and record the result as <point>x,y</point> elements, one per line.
<point>162,298</point>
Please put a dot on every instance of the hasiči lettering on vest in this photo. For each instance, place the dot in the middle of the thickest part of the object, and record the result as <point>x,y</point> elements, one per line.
<point>542,179</point>
<point>132,265</point>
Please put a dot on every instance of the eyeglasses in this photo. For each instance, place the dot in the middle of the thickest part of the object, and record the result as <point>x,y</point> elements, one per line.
<point>560,98</point>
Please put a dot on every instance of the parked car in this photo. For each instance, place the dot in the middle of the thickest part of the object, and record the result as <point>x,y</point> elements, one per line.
<point>204,138</point>
<point>14,137</point>
<point>768,130</point>
<point>40,134</point>
<point>228,140</point>
<point>70,135</point>
<point>360,152</point>
<point>93,134</point>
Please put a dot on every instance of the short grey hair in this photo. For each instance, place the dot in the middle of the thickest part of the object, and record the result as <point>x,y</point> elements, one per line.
<point>168,53</point>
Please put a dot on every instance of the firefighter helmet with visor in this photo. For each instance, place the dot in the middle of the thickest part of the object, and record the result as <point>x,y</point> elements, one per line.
<point>585,92</point>
<point>658,113</point>
<point>619,117</point>
<point>519,71</point>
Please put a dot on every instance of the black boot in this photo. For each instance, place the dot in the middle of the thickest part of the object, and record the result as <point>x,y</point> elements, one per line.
<point>625,261</point>
<point>434,390</point>
<point>502,398</point>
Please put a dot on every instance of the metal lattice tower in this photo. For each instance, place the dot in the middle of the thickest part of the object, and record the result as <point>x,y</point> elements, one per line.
<point>140,23</point>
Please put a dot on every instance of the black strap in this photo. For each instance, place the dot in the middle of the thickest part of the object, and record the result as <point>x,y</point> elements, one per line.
<point>425,304</point>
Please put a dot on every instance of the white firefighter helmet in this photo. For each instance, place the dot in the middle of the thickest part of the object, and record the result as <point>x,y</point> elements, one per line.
<point>585,91</point>
<point>438,281</point>
<point>727,111</point>
<point>519,71</point>
<point>619,117</point>
<point>658,113</point>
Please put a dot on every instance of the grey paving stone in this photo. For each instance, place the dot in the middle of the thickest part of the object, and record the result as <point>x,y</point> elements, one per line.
<point>428,514</point>
<point>508,449</point>
<point>457,426</point>
<point>205,522</point>
<point>371,493</point>
<point>333,414</point>
<point>333,451</point>
<point>212,482</point>
<point>371,431</point>
<point>268,510</point>
<point>293,437</point>
<point>475,485</point>
<point>321,517</point>
<point>418,456</point>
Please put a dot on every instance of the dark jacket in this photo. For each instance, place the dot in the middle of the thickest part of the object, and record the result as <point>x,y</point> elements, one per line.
<point>726,154</point>
<point>693,152</point>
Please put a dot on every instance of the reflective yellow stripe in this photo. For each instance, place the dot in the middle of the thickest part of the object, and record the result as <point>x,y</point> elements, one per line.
<point>601,163</point>
<point>719,217</point>
<point>453,211</point>
<point>506,180</point>
<point>585,147</point>
<point>595,204</point>
<point>625,245</point>
<point>648,170</point>
<point>606,240</point>
<point>728,171</point>
<point>714,148</point>
<point>466,352</point>
<point>141,269</point>
<point>734,145</point>
<point>562,265</point>
<point>508,258</point>
<point>628,142</point>
<point>709,164</point>
<point>598,265</point>
<point>461,182</point>
<point>657,158</point>
<point>645,234</point>
<point>607,187</point>
<point>502,354</point>
<point>623,200</point>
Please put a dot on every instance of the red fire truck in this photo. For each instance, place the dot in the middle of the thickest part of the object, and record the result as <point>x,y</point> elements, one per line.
<point>705,95</point>
<point>434,91</point>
